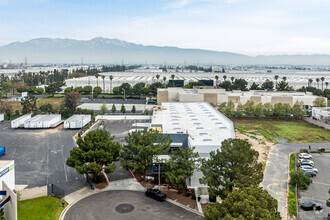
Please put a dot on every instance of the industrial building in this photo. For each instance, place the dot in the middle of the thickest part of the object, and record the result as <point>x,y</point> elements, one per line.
<point>77,121</point>
<point>43,121</point>
<point>197,125</point>
<point>321,114</point>
<point>218,96</point>
<point>7,187</point>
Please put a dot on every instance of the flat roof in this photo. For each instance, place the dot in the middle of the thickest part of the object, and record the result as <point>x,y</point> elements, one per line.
<point>205,125</point>
<point>5,162</point>
<point>76,118</point>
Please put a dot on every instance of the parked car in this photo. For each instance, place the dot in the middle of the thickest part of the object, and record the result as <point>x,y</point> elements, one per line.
<point>155,194</point>
<point>308,168</point>
<point>308,172</point>
<point>311,205</point>
<point>305,161</point>
<point>151,102</point>
<point>305,156</point>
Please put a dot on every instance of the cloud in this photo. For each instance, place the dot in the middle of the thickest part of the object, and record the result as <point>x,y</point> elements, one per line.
<point>178,4</point>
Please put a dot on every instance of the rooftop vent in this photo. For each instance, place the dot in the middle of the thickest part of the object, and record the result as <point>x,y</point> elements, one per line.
<point>177,128</point>
<point>194,119</point>
<point>199,128</point>
<point>207,139</point>
<point>197,123</point>
<point>175,123</point>
<point>215,119</point>
<point>203,133</point>
<point>218,123</point>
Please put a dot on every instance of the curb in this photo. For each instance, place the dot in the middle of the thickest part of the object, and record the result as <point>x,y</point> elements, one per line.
<point>184,207</point>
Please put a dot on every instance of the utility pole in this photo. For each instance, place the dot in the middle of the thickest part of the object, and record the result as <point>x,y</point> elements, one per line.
<point>158,175</point>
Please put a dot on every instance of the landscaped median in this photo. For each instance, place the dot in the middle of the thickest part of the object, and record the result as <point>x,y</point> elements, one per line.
<point>292,197</point>
<point>42,208</point>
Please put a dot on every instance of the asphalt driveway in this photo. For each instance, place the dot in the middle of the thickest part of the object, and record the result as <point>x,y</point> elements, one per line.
<point>126,205</point>
<point>276,172</point>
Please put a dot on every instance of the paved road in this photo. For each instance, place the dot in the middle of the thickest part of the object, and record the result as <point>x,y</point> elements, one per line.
<point>106,205</point>
<point>276,173</point>
<point>40,156</point>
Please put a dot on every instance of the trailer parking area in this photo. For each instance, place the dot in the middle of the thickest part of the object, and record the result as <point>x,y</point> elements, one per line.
<point>318,190</point>
<point>40,156</point>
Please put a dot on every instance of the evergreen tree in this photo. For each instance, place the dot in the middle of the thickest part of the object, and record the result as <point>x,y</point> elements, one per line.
<point>249,108</point>
<point>113,108</point>
<point>104,108</point>
<point>298,109</point>
<point>133,109</point>
<point>235,166</point>
<point>180,166</point>
<point>94,150</point>
<point>141,148</point>
<point>259,110</point>
<point>268,109</point>
<point>239,111</point>
<point>246,203</point>
<point>123,109</point>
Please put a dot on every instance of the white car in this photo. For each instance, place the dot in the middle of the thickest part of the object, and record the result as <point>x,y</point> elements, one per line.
<point>305,156</point>
<point>308,168</point>
<point>306,162</point>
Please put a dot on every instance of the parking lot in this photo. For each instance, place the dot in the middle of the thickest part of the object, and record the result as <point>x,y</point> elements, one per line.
<point>318,190</point>
<point>40,156</point>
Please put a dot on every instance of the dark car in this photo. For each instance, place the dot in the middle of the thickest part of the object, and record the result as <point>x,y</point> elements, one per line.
<point>156,194</point>
<point>311,205</point>
<point>312,173</point>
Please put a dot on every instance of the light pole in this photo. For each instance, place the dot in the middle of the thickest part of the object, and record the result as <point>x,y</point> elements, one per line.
<point>158,175</point>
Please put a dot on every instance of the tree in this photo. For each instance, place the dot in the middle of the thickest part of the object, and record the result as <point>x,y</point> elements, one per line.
<point>222,108</point>
<point>133,109</point>
<point>298,109</point>
<point>125,89</point>
<point>123,109</point>
<point>180,166</point>
<point>268,109</point>
<point>300,179</point>
<point>54,87</point>
<point>246,203</point>
<point>67,89</point>
<point>276,78</point>
<point>254,86</point>
<point>164,80</point>
<point>232,79</point>
<point>230,109</point>
<point>322,80</point>
<point>39,90</point>
<point>111,78</point>
<point>319,102</point>
<point>94,150</point>
<point>103,77</point>
<point>113,108</point>
<point>138,89</point>
<point>216,80</point>
<point>239,84</point>
<point>225,84</point>
<point>279,110</point>
<point>6,87</point>
<point>249,108</point>
<point>239,110</point>
<point>224,76</point>
<point>283,86</point>
<point>154,86</point>
<point>157,77</point>
<point>7,108</point>
<point>86,90</point>
<point>71,101</point>
<point>46,108</point>
<point>97,91</point>
<point>310,81</point>
<point>235,166</point>
<point>326,85</point>
<point>29,104</point>
<point>287,109</point>
<point>104,108</point>
<point>268,85</point>
<point>172,76</point>
<point>97,79</point>
<point>317,81</point>
<point>141,148</point>
<point>78,89</point>
<point>259,110</point>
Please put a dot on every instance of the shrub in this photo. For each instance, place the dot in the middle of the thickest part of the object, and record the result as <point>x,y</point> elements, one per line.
<point>300,179</point>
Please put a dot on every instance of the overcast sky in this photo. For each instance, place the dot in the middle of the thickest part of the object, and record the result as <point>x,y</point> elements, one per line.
<point>251,27</point>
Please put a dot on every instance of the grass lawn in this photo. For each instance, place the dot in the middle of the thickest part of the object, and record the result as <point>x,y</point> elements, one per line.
<point>279,131</point>
<point>42,208</point>
<point>55,102</point>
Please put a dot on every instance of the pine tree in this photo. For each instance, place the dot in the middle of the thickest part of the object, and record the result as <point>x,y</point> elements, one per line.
<point>123,109</point>
<point>113,108</point>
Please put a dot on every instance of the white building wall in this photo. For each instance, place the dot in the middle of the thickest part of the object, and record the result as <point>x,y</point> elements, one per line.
<point>193,97</point>
<point>7,174</point>
<point>222,98</point>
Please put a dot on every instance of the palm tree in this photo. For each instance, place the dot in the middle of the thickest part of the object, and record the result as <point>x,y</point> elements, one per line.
<point>232,79</point>
<point>224,77</point>
<point>310,81</point>
<point>97,79</point>
<point>284,78</point>
<point>276,78</point>
<point>216,80</point>
<point>164,79</point>
<point>326,85</point>
<point>317,80</point>
<point>172,76</point>
<point>111,78</point>
<point>157,76</point>
<point>103,77</point>
<point>322,79</point>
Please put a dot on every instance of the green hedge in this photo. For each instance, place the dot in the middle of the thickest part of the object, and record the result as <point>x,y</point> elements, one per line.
<point>292,189</point>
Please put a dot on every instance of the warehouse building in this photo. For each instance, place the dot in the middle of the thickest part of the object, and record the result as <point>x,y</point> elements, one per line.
<point>321,114</point>
<point>77,121</point>
<point>201,125</point>
<point>218,96</point>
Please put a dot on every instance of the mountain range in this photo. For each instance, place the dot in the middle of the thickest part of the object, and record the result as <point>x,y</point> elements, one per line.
<point>114,51</point>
